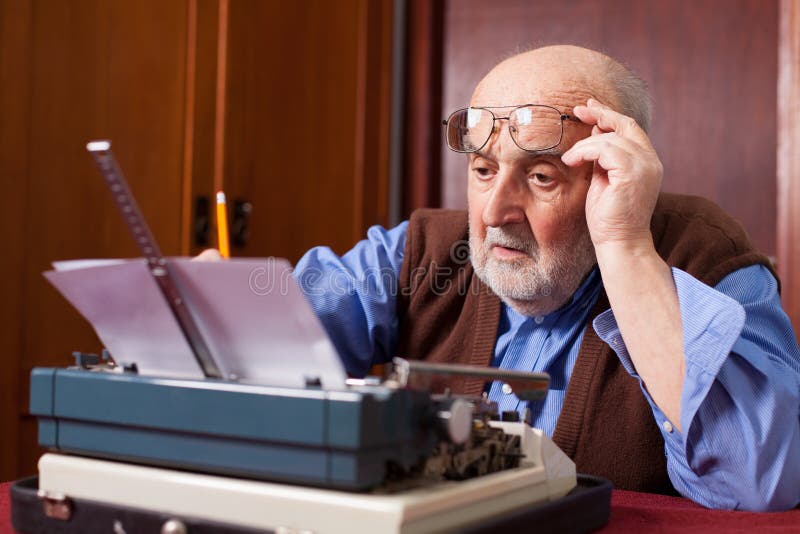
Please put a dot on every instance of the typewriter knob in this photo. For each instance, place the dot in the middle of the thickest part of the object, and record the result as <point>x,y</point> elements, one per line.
<point>456,421</point>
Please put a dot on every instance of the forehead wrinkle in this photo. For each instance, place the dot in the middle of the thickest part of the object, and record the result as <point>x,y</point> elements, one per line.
<point>562,100</point>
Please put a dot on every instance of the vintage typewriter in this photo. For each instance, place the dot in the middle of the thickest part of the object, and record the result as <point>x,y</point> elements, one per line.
<point>371,458</point>
<point>229,449</point>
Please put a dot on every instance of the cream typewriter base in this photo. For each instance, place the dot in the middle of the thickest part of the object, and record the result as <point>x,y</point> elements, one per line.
<point>288,508</point>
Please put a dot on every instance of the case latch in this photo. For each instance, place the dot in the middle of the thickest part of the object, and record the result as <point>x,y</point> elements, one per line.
<point>56,505</point>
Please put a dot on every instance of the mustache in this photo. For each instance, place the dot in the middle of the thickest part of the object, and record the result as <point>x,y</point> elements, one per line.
<point>518,237</point>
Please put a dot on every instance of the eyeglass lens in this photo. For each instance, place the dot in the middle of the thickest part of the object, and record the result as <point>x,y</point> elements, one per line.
<point>532,128</point>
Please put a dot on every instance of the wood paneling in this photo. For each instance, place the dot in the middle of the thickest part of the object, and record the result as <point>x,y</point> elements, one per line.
<point>373,115</point>
<point>189,96</point>
<point>789,158</point>
<point>204,120</point>
<point>92,69</point>
<point>292,84</point>
<point>302,133</point>
<point>711,66</point>
<point>423,129</point>
<point>15,29</point>
<point>220,94</point>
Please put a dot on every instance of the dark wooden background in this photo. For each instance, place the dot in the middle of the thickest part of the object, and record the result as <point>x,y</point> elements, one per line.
<point>283,104</point>
<point>72,72</point>
<point>286,105</point>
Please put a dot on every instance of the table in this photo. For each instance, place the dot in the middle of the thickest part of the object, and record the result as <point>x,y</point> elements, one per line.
<point>638,512</point>
<point>630,512</point>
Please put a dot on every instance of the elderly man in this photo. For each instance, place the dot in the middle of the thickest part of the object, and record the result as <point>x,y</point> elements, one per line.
<point>673,366</point>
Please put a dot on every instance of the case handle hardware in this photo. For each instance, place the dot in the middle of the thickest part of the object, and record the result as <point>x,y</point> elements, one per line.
<point>56,505</point>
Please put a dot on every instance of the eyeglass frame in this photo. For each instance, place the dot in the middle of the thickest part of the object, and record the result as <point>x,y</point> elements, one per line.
<point>564,116</point>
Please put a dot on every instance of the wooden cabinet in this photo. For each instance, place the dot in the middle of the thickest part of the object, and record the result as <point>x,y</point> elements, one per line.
<point>306,122</point>
<point>72,72</point>
<point>282,104</point>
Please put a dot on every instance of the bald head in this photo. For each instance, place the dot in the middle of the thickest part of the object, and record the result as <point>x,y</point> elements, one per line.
<point>564,76</point>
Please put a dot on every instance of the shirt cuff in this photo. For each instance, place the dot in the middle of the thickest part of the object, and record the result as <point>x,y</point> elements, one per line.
<point>712,322</point>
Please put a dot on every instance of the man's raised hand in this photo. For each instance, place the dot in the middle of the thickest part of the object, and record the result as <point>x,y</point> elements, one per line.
<point>625,181</point>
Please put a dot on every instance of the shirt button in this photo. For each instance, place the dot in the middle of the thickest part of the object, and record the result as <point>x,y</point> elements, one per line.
<point>539,319</point>
<point>667,426</point>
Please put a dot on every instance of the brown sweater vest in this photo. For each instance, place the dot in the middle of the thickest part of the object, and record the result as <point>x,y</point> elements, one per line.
<point>606,426</point>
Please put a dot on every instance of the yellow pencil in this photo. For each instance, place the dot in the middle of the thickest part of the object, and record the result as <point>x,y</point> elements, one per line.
<point>222,226</point>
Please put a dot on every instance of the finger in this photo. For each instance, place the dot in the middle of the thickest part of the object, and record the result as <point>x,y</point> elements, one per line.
<point>608,120</point>
<point>607,150</point>
<point>586,116</point>
<point>604,139</point>
<point>612,138</point>
<point>209,254</point>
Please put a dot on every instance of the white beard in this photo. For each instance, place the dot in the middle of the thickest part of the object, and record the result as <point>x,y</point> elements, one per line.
<point>544,280</point>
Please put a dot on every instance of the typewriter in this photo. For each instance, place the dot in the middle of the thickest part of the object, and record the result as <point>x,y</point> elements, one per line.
<point>375,457</point>
<point>228,441</point>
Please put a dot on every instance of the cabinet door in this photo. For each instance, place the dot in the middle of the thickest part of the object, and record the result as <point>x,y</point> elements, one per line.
<point>284,104</point>
<point>72,72</point>
<point>306,122</point>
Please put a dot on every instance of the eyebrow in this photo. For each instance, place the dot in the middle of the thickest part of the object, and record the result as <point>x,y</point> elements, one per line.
<point>553,152</point>
<point>549,152</point>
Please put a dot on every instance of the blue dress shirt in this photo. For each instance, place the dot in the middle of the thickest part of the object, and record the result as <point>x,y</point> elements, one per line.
<point>740,404</point>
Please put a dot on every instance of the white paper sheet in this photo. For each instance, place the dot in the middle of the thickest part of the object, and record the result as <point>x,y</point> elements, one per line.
<point>129,314</point>
<point>253,316</point>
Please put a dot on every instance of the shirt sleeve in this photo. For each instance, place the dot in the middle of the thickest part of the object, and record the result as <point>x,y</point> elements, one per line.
<point>740,404</point>
<point>355,295</point>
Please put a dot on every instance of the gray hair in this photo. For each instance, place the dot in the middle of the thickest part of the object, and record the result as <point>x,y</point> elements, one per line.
<point>630,92</point>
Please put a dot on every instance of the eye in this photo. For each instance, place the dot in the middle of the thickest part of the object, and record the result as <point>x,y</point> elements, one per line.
<point>482,173</point>
<point>541,178</point>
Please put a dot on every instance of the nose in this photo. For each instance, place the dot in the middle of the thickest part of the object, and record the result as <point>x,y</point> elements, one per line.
<point>506,202</point>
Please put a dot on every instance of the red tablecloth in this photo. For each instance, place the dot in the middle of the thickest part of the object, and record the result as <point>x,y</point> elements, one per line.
<point>630,512</point>
<point>638,512</point>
